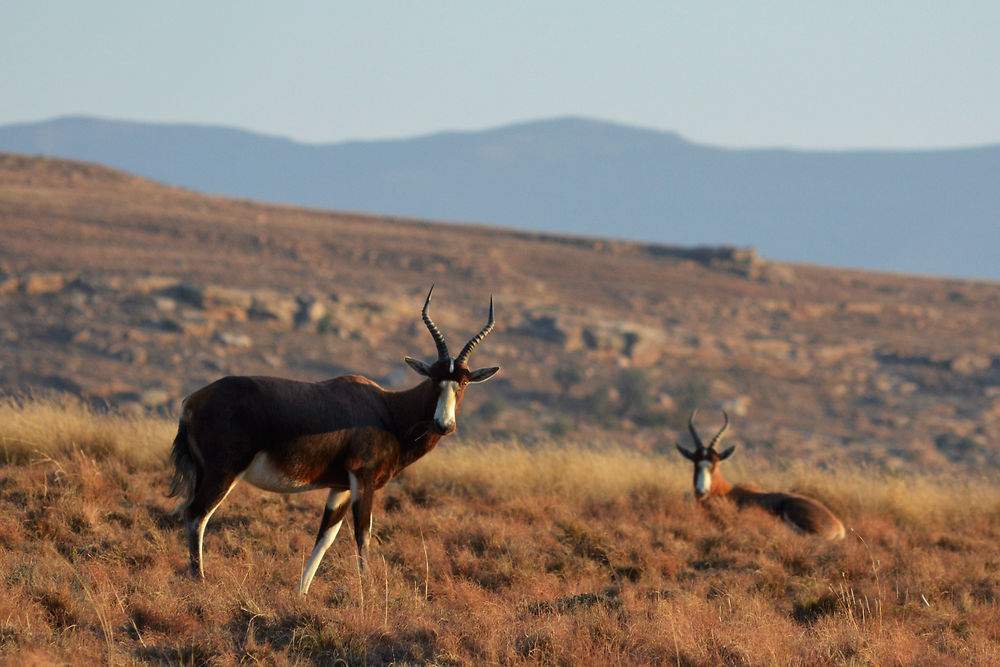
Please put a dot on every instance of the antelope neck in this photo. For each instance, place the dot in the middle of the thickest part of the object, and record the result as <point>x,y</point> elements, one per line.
<point>413,421</point>
<point>720,485</point>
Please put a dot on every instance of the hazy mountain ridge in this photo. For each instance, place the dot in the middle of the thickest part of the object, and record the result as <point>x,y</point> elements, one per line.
<point>913,211</point>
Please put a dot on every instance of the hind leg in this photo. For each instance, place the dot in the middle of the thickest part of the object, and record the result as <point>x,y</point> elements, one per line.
<point>362,497</point>
<point>207,498</point>
<point>333,516</point>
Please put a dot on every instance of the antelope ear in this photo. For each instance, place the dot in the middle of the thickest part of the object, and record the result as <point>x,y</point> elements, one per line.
<point>685,453</point>
<point>419,366</point>
<point>726,453</point>
<point>483,374</point>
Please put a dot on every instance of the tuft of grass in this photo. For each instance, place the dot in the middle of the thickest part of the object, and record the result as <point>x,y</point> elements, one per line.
<point>594,473</point>
<point>49,426</point>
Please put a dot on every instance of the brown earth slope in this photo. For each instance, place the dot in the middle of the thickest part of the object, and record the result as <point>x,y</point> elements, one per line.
<point>132,293</point>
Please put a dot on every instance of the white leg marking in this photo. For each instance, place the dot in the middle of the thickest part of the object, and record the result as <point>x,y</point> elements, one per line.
<point>355,486</point>
<point>204,522</point>
<point>334,500</point>
<point>444,415</point>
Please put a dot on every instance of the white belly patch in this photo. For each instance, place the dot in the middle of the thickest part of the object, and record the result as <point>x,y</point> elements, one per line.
<point>263,474</point>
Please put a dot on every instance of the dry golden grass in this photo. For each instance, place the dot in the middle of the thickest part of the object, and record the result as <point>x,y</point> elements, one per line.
<point>496,553</point>
<point>55,424</point>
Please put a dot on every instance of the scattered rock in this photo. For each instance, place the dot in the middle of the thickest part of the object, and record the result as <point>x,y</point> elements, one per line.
<point>154,398</point>
<point>165,324</point>
<point>42,283</point>
<point>212,364</point>
<point>8,284</point>
<point>217,295</point>
<point>233,339</point>
<point>738,406</point>
<point>310,310</point>
<point>129,354</point>
<point>666,403</point>
<point>272,360</point>
<point>642,347</point>
<point>871,309</point>
<point>151,284</point>
<point>599,339</point>
<point>59,334</point>
<point>165,304</point>
<point>544,327</point>
<point>970,363</point>
<point>270,305</point>
<point>186,293</point>
<point>890,356</point>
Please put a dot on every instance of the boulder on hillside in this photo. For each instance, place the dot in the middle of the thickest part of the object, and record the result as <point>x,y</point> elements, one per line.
<point>310,310</point>
<point>186,293</point>
<point>970,363</point>
<point>227,303</point>
<point>128,353</point>
<point>218,295</point>
<point>43,283</point>
<point>150,284</point>
<point>231,339</point>
<point>8,283</point>
<point>642,346</point>
<point>547,328</point>
<point>274,306</point>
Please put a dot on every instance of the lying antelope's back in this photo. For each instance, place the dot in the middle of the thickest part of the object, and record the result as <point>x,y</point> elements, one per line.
<point>811,516</point>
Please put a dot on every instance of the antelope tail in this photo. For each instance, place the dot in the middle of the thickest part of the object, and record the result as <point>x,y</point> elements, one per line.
<point>185,469</point>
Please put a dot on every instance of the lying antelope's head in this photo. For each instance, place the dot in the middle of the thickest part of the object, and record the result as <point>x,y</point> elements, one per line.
<point>705,459</point>
<point>450,376</point>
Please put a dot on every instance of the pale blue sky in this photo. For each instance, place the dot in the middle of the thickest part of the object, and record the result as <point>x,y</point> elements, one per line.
<point>834,74</point>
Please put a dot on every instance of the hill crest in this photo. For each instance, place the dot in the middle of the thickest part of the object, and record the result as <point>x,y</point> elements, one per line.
<point>924,211</point>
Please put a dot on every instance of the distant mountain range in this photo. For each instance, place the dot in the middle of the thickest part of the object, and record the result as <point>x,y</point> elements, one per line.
<point>934,212</point>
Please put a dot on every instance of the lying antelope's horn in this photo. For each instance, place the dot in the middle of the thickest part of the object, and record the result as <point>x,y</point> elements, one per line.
<point>463,356</point>
<point>718,436</point>
<point>694,434</point>
<point>442,347</point>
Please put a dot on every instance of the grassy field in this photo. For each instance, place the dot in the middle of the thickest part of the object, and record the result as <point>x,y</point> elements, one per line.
<point>494,553</point>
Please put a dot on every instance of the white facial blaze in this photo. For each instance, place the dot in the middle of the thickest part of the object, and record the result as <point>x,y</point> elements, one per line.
<point>444,415</point>
<point>703,478</point>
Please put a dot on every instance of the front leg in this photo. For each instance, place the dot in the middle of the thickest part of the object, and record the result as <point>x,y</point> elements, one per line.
<point>362,499</point>
<point>333,516</point>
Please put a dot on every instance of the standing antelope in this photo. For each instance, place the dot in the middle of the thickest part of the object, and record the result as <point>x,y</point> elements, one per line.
<point>804,514</point>
<point>346,434</point>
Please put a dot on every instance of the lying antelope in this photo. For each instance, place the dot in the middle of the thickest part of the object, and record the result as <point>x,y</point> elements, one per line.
<point>346,434</point>
<point>804,514</point>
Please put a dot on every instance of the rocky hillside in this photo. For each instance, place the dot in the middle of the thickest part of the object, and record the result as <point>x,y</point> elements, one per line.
<point>133,294</point>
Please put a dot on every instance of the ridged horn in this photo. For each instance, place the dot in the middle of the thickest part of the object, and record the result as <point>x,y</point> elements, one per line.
<point>442,347</point>
<point>718,436</point>
<point>694,434</point>
<point>463,356</point>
